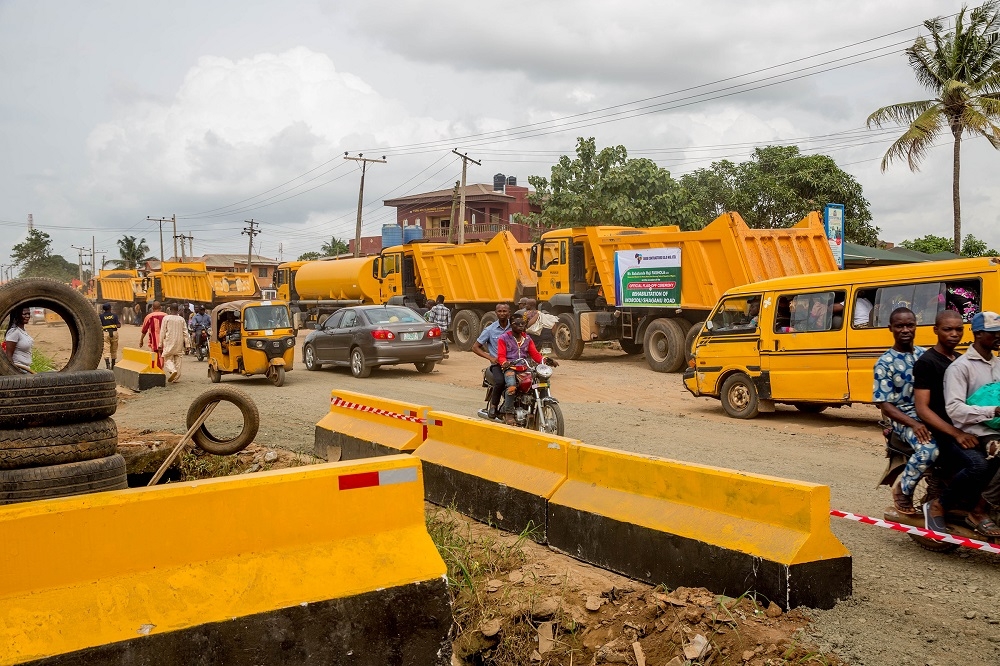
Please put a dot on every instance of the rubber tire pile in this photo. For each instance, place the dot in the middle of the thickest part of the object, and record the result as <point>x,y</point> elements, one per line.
<point>56,434</point>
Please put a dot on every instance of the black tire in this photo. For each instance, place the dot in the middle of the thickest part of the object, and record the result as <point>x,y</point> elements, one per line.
<point>554,423</point>
<point>56,398</point>
<point>663,345</point>
<point>214,375</point>
<point>359,366</point>
<point>739,397</point>
<point>810,407</point>
<point>199,352</point>
<point>465,328</point>
<point>81,318</point>
<point>57,445</point>
<point>689,339</point>
<point>89,476</point>
<point>426,367</point>
<point>566,338</point>
<point>487,319</point>
<point>204,438</point>
<point>277,375</point>
<point>309,358</point>
<point>630,347</point>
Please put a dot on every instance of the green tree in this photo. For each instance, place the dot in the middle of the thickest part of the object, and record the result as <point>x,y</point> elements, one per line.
<point>962,69</point>
<point>33,256</point>
<point>334,248</point>
<point>607,187</point>
<point>779,186</point>
<point>132,252</point>
<point>309,256</point>
<point>931,244</point>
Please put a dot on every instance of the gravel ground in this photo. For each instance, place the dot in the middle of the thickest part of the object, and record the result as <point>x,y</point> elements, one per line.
<point>909,606</point>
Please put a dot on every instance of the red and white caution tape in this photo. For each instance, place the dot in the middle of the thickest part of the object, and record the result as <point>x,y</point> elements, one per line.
<point>338,402</point>
<point>919,531</point>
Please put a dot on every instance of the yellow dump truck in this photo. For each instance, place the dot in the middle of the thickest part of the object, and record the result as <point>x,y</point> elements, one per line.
<point>316,289</point>
<point>651,289</point>
<point>192,282</point>
<point>473,278</point>
<point>123,288</point>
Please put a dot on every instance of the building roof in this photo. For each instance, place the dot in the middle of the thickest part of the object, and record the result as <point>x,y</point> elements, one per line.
<point>474,192</point>
<point>857,256</point>
<point>233,259</point>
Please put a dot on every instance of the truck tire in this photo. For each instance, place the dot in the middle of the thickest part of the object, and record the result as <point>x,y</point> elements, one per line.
<point>215,445</point>
<point>89,476</point>
<point>56,398</point>
<point>566,338</point>
<point>487,319</point>
<point>739,397</point>
<point>465,328</point>
<point>81,318</point>
<point>663,345</point>
<point>630,347</point>
<point>57,445</point>
<point>690,338</point>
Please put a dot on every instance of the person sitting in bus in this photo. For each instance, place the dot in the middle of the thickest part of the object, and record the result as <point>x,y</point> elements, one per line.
<point>893,394</point>
<point>228,326</point>
<point>862,312</point>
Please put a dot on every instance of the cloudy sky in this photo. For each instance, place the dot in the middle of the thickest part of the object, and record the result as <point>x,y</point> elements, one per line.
<point>220,111</point>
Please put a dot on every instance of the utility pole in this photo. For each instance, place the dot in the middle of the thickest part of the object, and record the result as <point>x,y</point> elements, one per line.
<point>461,218</point>
<point>161,220</point>
<point>80,251</point>
<point>190,238</point>
<point>454,205</point>
<point>281,253</point>
<point>173,218</point>
<point>361,196</point>
<point>250,231</point>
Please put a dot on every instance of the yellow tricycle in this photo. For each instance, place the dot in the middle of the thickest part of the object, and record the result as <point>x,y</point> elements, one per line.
<point>251,338</point>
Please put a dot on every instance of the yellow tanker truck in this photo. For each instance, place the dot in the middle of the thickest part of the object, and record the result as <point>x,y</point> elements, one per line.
<point>584,279</point>
<point>316,289</point>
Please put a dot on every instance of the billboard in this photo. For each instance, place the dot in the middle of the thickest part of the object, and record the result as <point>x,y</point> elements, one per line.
<point>833,220</point>
<point>648,278</point>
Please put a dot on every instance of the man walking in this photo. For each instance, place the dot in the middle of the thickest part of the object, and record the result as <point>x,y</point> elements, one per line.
<point>490,338</point>
<point>174,337</point>
<point>441,315</point>
<point>151,325</point>
<point>110,325</point>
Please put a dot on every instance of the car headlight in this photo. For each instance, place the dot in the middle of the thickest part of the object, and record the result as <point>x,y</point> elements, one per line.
<point>543,371</point>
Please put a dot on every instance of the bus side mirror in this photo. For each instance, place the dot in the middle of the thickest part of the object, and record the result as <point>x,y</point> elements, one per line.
<point>708,325</point>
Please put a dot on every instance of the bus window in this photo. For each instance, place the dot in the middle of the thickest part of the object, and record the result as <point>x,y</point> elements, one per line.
<point>738,314</point>
<point>810,313</point>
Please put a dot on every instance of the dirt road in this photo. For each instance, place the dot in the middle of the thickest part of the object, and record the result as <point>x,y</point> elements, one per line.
<point>909,606</point>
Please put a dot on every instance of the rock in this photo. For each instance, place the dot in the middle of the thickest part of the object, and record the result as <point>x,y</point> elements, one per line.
<point>253,468</point>
<point>594,603</point>
<point>490,628</point>
<point>535,656</point>
<point>696,648</point>
<point>270,456</point>
<point>640,656</point>
<point>493,585</point>
<point>971,615</point>
<point>515,576</point>
<point>546,637</point>
<point>676,661</point>
<point>545,608</point>
<point>748,655</point>
<point>773,610</point>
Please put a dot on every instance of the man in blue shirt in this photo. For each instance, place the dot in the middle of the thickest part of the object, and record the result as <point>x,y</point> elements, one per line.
<point>490,338</point>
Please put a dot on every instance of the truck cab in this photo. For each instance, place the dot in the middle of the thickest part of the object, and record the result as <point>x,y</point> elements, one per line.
<point>394,270</point>
<point>559,260</point>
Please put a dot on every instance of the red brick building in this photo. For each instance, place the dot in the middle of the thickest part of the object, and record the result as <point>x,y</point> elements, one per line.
<point>488,211</point>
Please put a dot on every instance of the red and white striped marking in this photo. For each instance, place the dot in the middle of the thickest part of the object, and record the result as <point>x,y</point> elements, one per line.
<point>919,531</point>
<point>411,417</point>
<point>385,477</point>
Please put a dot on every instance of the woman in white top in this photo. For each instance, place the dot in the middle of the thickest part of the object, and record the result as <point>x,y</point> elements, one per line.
<point>18,342</point>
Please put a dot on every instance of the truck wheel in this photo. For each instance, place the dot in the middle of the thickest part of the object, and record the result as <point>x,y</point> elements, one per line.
<point>690,338</point>
<point>566,338</point>
<point>663,344</point>
<point>739,397</point>
<point>487,319</point>
<point>81,318</point>
<point>630,347</point>
<point>88,476</point>
<point>209,442</point>
<point>465,329</point>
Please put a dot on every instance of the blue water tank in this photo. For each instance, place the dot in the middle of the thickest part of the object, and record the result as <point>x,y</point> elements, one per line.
<point>392,235</point>
<point>412,233</point>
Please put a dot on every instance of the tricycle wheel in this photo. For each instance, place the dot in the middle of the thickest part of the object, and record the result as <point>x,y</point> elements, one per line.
<point>277,375</point>
<point>214,375</point>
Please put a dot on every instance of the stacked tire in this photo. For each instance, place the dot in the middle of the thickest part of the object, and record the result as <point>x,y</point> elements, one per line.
<point>57,437</point>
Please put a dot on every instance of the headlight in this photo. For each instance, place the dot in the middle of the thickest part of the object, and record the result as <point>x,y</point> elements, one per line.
<point>543,371</point>
<point>290,342</point>
<point>257,344</point>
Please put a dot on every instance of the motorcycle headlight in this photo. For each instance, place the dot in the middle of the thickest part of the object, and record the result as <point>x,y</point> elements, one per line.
<point>290,342</point>
<point>257,344</point>
<point>543,371</point>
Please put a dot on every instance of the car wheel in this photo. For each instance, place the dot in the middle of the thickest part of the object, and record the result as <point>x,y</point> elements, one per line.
<point>309,358</point>
<point>739,397</point>
<point>359,367</point>
<point>425,367</point>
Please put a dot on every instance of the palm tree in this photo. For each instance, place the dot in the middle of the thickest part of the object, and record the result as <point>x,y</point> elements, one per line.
<point>962,69</point>
<point>132,252</point>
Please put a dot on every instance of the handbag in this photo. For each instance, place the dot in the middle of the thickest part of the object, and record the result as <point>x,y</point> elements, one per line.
<point>536,327</point>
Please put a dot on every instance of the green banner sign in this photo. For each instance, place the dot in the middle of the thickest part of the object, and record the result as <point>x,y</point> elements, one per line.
<point>648,278</point>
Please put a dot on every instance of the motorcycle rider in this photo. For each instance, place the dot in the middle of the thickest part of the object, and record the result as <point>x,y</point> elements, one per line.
<point>490,337</point>
<point>514,348</point>
<point>198,323</point>
<point>893,393</point>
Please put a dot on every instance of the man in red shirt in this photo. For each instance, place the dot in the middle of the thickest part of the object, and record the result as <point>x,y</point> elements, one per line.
<point>514,348</point>
<point>151,325</point>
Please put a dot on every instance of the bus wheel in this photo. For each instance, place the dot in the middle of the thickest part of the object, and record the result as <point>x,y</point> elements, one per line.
<point>663,344</point>
<point>739,397</point>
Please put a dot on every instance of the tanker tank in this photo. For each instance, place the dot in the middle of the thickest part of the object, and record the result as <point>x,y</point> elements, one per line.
<point>338,280</point>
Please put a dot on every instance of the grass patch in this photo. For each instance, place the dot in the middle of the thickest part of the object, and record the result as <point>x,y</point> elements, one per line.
<point>41,362</point>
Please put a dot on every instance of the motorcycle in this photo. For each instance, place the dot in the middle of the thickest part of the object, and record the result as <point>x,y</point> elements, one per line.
<point>931,485</point>
<point>534,406</point>
<point>199,340</point>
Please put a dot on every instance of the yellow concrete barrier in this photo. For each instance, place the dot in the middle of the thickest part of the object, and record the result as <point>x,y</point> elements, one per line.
<point>493,473</point>
<point>677,523</point>
<point>138,371</point>
<point>301,566</point>
<point>365,426</point>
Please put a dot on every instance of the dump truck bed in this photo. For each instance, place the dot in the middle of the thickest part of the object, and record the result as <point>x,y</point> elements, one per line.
<point>117,285</point>
<point>190,282</point>
<point>725,254</point>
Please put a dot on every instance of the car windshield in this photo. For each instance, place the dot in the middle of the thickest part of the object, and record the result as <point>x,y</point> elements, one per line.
<point>266,317</point>
<point>393,316</point>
